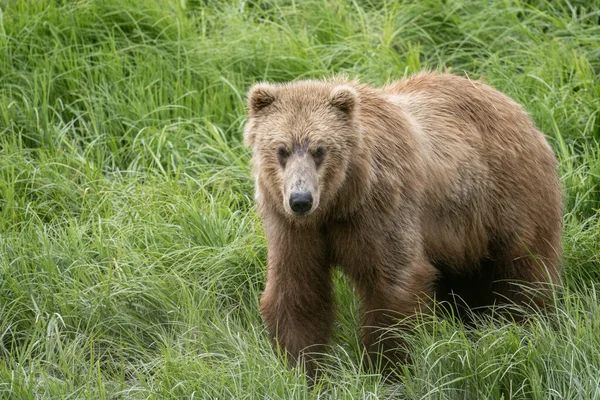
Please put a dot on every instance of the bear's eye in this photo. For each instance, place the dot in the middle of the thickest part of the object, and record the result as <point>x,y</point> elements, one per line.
<point>318,154</point>
<point>283,153</point>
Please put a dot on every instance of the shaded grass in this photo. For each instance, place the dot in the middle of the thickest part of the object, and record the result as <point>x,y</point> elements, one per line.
<point>131,259</point>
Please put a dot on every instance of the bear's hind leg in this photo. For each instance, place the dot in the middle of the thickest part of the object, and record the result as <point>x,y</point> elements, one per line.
<point>526,275</point>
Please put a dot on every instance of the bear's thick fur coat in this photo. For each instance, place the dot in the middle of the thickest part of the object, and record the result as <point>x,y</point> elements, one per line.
<point>430,185</point>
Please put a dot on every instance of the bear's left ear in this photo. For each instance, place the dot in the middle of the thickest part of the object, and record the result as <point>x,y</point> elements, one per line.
<point>344,98</point>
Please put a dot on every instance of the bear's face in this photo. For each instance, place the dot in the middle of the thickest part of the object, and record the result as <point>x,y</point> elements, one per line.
<point>302,136</point>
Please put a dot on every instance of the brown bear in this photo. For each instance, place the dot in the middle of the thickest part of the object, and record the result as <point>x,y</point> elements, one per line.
<point>430,185</point>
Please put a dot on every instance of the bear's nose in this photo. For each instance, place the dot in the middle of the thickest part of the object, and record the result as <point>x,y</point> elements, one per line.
<point>301,202</point>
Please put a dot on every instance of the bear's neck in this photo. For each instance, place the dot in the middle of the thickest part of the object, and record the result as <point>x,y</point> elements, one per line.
<point>357,184</point>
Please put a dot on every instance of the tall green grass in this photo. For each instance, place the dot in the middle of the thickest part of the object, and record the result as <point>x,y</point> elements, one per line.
<point>131,257</point>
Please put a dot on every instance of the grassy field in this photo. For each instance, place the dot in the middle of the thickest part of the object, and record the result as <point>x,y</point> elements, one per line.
<point>131,255</point>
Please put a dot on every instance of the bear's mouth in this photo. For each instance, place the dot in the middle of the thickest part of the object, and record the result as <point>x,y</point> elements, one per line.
<point>301,214</point>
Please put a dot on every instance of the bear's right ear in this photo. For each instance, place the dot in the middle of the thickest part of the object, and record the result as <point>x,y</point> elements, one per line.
<point>260,96</point>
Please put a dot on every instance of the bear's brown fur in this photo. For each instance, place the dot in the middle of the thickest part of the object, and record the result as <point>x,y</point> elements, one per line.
<point>429,185</point>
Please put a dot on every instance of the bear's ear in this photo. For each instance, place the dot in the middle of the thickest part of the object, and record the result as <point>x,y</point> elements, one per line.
<point>260,96</point>
<point>344,98</point>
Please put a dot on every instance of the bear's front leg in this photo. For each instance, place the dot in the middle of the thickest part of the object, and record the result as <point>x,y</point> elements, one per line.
<point>297,304</point>
<point>388,299</point>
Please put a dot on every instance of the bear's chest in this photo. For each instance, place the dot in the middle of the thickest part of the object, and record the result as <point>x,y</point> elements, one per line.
<point>357,246</point>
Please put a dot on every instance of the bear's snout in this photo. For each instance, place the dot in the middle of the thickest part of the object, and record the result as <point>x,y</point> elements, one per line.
<point>301,202</point>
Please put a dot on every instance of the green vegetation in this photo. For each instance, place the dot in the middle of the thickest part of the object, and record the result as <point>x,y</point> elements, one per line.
<point>131,257</point>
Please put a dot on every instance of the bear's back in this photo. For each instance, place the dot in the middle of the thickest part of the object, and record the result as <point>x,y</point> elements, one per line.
<point>482,155</point>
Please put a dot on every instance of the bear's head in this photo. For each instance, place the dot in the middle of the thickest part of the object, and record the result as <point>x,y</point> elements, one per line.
<point>303,136</point>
